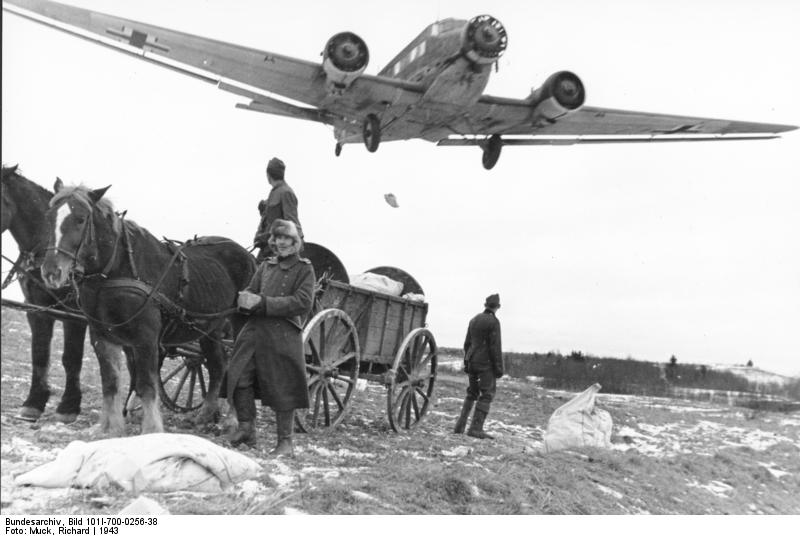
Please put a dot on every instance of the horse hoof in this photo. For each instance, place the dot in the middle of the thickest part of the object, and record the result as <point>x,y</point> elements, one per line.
<point>66,418</point>
<point>28,413</point>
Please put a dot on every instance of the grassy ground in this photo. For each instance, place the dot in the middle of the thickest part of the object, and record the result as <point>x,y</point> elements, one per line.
<point>668,457</point>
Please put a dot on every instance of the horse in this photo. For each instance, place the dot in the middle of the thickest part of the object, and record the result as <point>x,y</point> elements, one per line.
<point>142,295</point>
<point>24,204</point>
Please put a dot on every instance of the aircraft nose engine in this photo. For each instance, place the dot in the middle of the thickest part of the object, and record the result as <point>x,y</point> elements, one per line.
<point>344,59</point>
<point>484,40</point>
<point>562,92</point>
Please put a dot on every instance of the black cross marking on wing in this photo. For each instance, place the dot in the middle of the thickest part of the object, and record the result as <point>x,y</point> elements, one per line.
<point>137,39</point>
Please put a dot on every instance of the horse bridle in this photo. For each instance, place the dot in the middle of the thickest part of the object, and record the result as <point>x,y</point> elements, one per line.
<point>78,266</point>
<point>152,291</point>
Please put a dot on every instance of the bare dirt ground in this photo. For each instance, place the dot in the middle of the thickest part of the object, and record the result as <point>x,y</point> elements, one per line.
<point>668,457</point>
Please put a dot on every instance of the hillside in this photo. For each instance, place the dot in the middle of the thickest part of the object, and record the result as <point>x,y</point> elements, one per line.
<point>668,457</point>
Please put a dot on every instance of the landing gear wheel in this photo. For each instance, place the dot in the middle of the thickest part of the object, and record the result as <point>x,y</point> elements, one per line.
<point>491,151</point>
<point>338,150</point>
<point>372,133</point>
<point>183,379</point>
<point>332,359</point>
<point>410,392</point>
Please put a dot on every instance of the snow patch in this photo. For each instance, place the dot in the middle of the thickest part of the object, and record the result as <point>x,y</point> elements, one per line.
<point>717,488</point>
<point>772,468</point>
<point>363,496</point>
<point>293,511</point>
<point>251,487</point>
<point>609,491</point>
<point>460,451</point>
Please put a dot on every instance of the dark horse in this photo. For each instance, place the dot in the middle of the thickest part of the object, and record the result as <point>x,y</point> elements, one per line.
<point>24,204</point>
<point>141,295</point>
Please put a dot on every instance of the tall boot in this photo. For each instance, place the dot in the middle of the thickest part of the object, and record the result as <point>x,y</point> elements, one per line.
<point>245,404</point>
<point>244,434</point>
<point>466,410</point>
<point>476,427</point>
<point>285,426</point>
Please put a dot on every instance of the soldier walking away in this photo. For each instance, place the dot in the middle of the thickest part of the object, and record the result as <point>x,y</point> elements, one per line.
<point>281,204</point>
<point>483,362</point>
<point>268,352</point>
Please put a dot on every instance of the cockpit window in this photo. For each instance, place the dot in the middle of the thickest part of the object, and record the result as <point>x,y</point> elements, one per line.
<point>445,26</point>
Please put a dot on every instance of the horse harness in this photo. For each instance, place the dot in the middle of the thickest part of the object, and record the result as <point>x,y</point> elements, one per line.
<point>25,263</point>
<point>171,308</point>
<point>23,270</point>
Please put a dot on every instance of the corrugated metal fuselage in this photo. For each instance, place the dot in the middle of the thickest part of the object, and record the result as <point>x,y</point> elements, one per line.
<point>452,83</point>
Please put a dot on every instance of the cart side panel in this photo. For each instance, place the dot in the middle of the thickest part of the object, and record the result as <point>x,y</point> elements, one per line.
<point>382,321</point>
<point>356,303</point>
<point>382,331</point>
<point>391,321</point>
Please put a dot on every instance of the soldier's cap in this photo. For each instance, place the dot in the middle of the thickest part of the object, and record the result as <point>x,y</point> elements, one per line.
<point>285,228</point>
<point>276,168</point>
<point>492,301</point>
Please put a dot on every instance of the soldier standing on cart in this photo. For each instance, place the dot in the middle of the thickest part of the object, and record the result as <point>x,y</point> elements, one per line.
<point>483,362</point>
<point>281,204</point>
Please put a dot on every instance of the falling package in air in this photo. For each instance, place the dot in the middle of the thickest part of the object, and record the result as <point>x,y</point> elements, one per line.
<point>391,200</point>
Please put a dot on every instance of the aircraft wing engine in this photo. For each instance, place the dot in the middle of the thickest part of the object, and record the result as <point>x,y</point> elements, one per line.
<point>344,59</point>
<point>562,92</point>
<point>483,40</point>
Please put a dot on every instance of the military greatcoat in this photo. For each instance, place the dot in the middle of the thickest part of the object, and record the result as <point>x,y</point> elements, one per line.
<point>482,346</point>
<point>281,203</point>
<point>272,336</point>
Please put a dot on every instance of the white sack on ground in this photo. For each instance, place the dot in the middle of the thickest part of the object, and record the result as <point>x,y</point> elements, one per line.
<point>578,423</point>
<point>377,282</point>
<point>159,462</point>
<point>143,506</point>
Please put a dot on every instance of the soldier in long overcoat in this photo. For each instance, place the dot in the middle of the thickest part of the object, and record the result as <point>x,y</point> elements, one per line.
<point>483,362</point>
<point>269,349</point>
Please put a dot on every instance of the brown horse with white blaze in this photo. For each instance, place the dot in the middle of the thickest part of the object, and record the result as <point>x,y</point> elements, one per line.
<point>142,295</point>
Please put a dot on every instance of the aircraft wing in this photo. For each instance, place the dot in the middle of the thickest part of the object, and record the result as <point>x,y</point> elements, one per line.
<point>514,119</point>
<point>248,72</point>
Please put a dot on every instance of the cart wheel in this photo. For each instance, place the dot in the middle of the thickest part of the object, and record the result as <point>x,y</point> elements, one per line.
<point>412,379</point>
<point>332,360</point>
<point>183,381</point>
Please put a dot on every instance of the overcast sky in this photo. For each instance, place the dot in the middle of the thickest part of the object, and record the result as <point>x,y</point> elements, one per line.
<point>640,251</point>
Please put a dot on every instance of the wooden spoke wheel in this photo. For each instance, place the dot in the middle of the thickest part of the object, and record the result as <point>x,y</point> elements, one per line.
<point>410,392</point>
<point>183,379</point>
<point>332,360</point>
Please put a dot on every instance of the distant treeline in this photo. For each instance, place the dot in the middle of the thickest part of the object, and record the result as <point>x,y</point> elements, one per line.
<point>577,370</point>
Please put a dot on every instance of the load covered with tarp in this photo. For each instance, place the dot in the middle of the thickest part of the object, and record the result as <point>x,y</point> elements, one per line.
<point>158,462</point>
<point>377,282</point>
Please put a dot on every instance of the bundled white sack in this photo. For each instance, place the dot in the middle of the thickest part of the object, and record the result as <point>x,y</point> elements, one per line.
<point>415,297</point>
<point>158,462</point>
<point>377,282</point>
<point>578,423</point>
<point>143,506</point>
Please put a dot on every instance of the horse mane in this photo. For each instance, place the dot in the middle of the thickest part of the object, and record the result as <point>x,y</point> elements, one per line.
<point>14,171</point>
<point>80,194</point>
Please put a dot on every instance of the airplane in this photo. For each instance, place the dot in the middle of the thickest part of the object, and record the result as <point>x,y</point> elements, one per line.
<point>432,90</point>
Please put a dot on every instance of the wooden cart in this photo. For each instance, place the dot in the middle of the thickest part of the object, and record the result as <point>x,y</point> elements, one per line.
<point>361,335</point>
